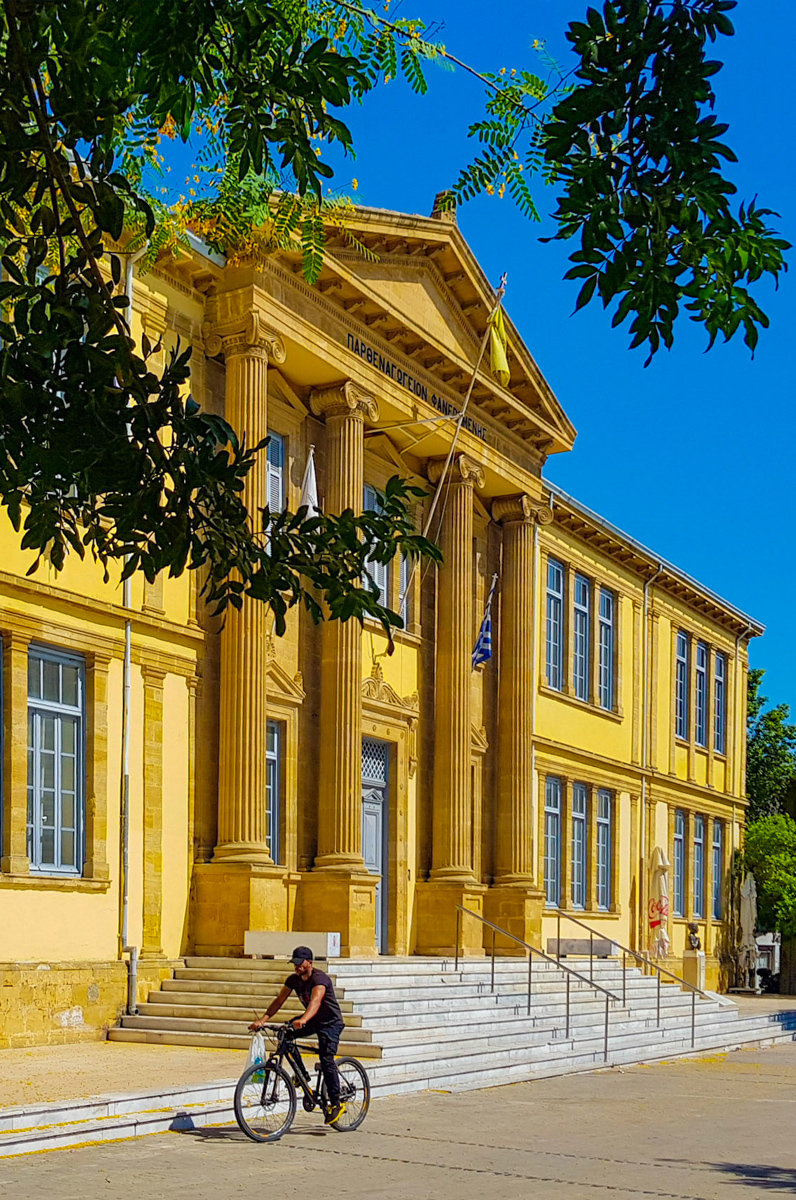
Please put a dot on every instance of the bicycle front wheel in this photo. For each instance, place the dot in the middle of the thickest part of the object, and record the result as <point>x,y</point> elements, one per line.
<point>354,1093</point>
<point>265,1102</point>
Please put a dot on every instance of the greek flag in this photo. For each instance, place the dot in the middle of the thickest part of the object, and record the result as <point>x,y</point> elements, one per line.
<point>483,645</point>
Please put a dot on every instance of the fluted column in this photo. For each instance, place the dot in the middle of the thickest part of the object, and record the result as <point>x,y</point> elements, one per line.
<point>340,804</point>
<point>515,734</point>
<point>242,725</point>
<point>452,838</point>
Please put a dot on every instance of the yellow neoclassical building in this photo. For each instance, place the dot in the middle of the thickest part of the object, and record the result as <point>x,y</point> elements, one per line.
<point>314,782</point>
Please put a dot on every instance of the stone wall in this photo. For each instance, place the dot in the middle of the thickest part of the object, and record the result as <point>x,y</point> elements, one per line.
<point>46,1004</point>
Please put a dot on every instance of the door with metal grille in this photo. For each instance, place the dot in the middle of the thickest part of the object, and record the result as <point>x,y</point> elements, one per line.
<point>375,779</point>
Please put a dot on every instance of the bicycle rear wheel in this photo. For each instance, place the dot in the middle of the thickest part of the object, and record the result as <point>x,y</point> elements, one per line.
<point>265,1102</point>
<point>354,1093</point>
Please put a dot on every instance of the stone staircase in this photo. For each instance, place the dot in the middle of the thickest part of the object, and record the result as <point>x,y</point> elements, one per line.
<point>419,1023</point>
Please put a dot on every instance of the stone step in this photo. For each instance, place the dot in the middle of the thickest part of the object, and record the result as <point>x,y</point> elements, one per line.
<point>234,999</point>
<point>208,975</point>
<point>457,1009</point>
<point>192,1024</point>
<point>155,1035</point>
<point>276,966</point>
<point>222,1012</point>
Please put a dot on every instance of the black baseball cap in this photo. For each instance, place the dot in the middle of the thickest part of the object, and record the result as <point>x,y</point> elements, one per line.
<point>300,954</point>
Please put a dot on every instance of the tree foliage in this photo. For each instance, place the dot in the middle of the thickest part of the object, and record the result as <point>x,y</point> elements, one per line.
<point>770,854</point>
<point>99,452</point>
<point>770,751</point>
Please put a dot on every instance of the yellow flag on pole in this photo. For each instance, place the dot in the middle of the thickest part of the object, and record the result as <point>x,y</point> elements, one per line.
<point>497,347</point>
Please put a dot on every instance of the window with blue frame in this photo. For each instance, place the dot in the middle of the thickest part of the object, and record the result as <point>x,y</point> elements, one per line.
<point>273,786</point>
<point>275,472</point>
<point>581,636</point>
<point>580,846</point>
<point>555,626</point>
<point>552,841</point>
<point>604,848</point>
<point>699,866</point>
<point>606,664</point>
<point>701,696</point>
<point>681,686</point>
<point>379,572</point>
<point>678,865</point>
<point>56,784</point>
<point>720,704</point>
<point>718,869</point>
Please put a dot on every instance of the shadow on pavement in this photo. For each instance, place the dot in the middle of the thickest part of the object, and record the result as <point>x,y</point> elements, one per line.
<point>779,1179</point>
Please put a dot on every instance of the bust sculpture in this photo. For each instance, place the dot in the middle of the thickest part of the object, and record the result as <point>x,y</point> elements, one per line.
<point>694,942</point>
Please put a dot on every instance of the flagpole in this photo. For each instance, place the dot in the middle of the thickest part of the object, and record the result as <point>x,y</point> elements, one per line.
<point>435,500</point>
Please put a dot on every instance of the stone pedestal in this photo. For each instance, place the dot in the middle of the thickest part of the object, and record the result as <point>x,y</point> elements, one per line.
<point>436,904</point>
<point>694,968</point>
<point>344,902</point>
<point>517,908</point>
<point>230,898</point>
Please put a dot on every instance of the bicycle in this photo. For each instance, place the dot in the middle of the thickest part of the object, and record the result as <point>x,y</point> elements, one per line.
<point>266,1098</point>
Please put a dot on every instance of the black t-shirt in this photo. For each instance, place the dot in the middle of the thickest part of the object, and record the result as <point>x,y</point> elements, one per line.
<point>329,1013</point>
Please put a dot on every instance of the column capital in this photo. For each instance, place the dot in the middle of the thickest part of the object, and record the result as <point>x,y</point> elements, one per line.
<point>522,508</point>
<point>462,470</point>
<point>345,400</point>
<point>246,333</point>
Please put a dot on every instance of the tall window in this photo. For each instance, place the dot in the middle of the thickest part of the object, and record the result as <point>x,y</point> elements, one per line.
<point>555,629</point>
<point>681,686</point>
<point>580,679</point>
<point>701,698</point>
<point>275,472</point>
<point>55,761</point>
<point>273,785</point>
<point>718,868</point>
<point>579,845</point>
<point>720,704</point>
<point>552,841</point>
<point>604,806</point>
<point>606,673</point>
<point>379,572</point>
<point>678,899</point>
<point>699,866</point>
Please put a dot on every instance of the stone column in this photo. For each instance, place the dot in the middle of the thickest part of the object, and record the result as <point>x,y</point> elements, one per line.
<point>15,859</point>
<point>514,902</point>
<point>451,881</point>
<point>340,893</point>
<point>241,889</point>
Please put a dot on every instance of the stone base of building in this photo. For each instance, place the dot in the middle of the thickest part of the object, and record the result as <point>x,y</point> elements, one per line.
<point>231,898</point>
<point>518,909</point>
<point>441,927</point>
<point>341,902</point>
<point>50,1004</point>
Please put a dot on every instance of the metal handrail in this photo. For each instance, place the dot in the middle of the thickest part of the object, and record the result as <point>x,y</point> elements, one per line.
<point>694,990</point>
<point>570,971</point>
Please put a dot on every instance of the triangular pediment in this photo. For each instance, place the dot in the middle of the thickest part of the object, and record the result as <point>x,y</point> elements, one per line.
<point>421,291</point>
<point>280,685</point>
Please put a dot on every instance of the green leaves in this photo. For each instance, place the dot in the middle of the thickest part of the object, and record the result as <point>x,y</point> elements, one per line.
<point>770,854</point>
<point>636,153</point>
<point>771,751</point>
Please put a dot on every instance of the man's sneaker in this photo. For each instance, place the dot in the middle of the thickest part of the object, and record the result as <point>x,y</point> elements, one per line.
<point>333,1113</point>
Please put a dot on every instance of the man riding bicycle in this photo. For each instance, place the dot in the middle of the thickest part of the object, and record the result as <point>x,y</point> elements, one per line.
<point>322,1016</point>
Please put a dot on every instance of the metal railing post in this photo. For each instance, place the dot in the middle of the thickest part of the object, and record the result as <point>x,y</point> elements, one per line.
<point>558,934</point>
<point>458,939</point>
<point>530,978</point>
<point>568,978</point>
<point>606,1029</point>
<point>591,955</point>
<point>624,980</point>
<point>693,1019</point>
<point>659,1001</point>
<point>493,962</point>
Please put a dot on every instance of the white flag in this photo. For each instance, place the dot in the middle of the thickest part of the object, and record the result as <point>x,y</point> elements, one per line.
<point>309,486</point>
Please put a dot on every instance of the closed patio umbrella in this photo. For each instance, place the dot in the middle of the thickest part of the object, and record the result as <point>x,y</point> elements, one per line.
<point>659,904</point>
<point>747,954</point>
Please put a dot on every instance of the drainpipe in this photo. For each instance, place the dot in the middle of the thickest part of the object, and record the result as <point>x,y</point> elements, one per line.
<point>739,783</point>
<point>124,946</point>
<point>644,756</point>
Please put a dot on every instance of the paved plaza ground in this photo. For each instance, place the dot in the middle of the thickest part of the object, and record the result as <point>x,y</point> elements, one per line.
<point>696,1129</point>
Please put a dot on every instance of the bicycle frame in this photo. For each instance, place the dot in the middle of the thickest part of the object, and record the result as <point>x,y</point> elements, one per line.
<point>289,1051</point>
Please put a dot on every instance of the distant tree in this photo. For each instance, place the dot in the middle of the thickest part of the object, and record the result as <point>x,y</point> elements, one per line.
<point>771,752</point>
<point>770,854</point>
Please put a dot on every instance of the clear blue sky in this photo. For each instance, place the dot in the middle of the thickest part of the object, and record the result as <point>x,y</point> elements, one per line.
<point>693,456</point>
